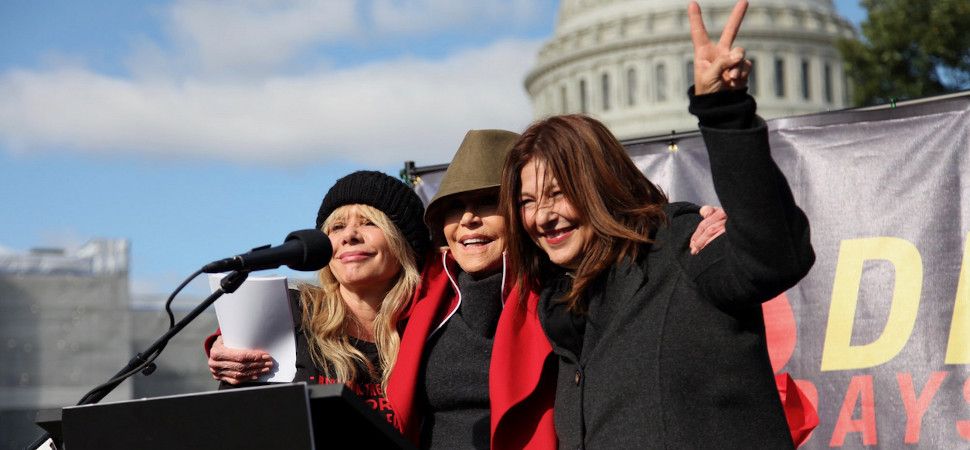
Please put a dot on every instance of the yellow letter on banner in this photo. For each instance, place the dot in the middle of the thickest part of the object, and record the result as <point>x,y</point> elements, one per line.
<point>838,353</point>
<point>958,349</point>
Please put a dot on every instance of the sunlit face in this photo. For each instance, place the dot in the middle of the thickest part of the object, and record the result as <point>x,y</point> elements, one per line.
<point>474,231</point>
<point>362,257</point>
<point>549,218</point>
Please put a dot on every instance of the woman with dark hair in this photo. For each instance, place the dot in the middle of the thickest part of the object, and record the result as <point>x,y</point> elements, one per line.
<point>656,347</point>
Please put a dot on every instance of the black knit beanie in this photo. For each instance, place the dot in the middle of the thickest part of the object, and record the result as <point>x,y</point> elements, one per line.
<point>386,193</point>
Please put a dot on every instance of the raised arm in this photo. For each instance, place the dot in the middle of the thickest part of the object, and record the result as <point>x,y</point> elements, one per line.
<point>766,247</point>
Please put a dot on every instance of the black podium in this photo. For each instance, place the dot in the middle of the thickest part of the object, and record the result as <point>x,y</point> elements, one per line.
<point>293,416</point>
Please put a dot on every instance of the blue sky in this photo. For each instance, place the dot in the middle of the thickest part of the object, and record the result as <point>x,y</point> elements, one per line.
<point>198,129</point>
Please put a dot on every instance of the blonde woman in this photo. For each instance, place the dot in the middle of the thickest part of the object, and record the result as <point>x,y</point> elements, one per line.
<point>349,324</point>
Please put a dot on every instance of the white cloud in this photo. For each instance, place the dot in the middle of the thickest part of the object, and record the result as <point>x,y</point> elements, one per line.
<point>251,38</point>
<point>232,37</point>
<point>224,87</point>
<point>402,108</point>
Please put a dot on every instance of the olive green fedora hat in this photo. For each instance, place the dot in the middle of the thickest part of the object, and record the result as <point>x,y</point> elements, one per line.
<point>477,165</point>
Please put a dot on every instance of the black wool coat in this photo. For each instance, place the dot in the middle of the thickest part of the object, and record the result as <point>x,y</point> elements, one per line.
<point>672,354</point>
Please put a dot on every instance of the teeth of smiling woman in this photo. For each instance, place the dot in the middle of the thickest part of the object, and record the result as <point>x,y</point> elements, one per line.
<point>474,241</point>
<point>556,234</point>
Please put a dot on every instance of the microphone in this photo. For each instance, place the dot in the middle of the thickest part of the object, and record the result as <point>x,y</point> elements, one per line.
<point>305,250</point>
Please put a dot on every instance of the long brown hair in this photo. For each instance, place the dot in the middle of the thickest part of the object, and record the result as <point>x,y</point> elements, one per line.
<point>604,186</point>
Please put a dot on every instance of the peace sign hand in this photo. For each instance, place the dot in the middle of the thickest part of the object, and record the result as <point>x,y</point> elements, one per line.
<point>718,67</point>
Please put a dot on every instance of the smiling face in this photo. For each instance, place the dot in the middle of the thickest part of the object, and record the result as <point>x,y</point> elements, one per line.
<point>550,219</point>
<point>474,231</point>
<point>362,257</point>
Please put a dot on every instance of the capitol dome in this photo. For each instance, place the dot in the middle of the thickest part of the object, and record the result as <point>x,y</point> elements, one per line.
<point>629,62</point>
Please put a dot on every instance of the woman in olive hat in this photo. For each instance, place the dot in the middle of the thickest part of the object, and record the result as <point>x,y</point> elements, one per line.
<point>472,369</point>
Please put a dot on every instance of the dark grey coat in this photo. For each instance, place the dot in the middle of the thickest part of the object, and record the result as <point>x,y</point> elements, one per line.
<point>673,353</point>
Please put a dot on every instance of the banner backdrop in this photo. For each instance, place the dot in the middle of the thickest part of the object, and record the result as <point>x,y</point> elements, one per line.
<point>878,333</point>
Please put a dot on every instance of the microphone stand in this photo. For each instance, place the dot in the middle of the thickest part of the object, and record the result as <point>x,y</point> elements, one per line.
<point>142,362</point>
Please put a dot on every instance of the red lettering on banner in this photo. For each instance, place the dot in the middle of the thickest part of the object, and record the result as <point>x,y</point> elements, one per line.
<point>963,426</point>
<point>915,408</point>
<point>781,333</point>
<point>860,391</point>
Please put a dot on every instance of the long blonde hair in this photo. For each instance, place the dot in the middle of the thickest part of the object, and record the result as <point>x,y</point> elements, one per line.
<point>328,322</point>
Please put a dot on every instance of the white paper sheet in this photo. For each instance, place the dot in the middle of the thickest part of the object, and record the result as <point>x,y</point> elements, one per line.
<point>257,316</point>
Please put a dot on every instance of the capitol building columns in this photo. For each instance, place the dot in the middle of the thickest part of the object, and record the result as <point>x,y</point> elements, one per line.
<point>629,62</point>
